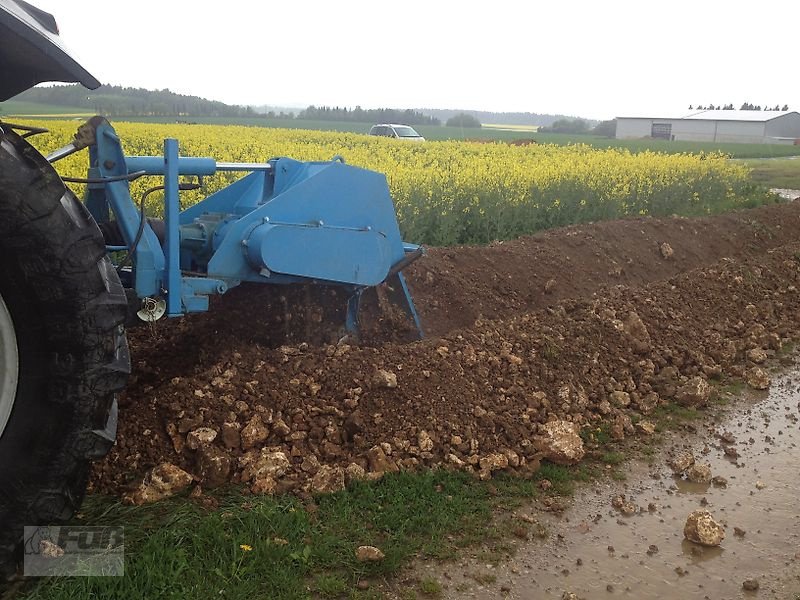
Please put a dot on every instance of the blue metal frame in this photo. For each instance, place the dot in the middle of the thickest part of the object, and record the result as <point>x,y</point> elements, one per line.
<point>286,221</point>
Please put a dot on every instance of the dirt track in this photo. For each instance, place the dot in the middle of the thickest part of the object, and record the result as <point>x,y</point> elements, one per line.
<point>519,333</point>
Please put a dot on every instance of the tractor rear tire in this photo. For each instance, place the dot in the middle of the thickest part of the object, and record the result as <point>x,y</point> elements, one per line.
<point>63,304</point>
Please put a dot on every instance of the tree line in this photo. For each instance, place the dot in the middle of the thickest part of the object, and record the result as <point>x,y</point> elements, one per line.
<point>118,101</point>
<point>361,115</point>
<point>126,101</point>
<point>744,106</point>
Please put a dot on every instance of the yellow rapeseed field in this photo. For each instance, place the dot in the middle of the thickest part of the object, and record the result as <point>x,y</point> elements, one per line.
<point>463,192</point>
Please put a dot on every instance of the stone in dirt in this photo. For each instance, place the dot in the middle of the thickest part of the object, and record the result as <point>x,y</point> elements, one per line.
<point>757,378</point>
<point>160,482</point>
<point>623,505</point>
<point>424,441</point>
<point>751,585</point>
<point>231,436</point>
<point>213,466</point>
<point>255,432</point>
<point>379,462</point>
<point>646,427</point>
<point>178,441</point>
<point>699,473</point>
<point>200,437</point>
<point>757,355</point>
<point>264,485</point>
<point>264,464</point>
<point>49,549</point>
<point>666,250</point>
<point>354,472</point>
<point>701,528</point>
<point>186,424</point>
<point>620,399</point>
<point>561,443</point>
<point>635,327</point>
<point>281,428</point>
<point>492,462</point>
<point>384,379</point>
<point>694,392</point>
<point>648,402</point>
<point>369,554</point>
<point>681,462</point>
<point>328,480</point>
<point>622,424</point>
<point>310,464</point>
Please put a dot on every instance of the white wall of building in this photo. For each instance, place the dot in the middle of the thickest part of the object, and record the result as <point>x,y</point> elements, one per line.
<point>783,129</point>
<point>628,128</point>
<point>787,126</point>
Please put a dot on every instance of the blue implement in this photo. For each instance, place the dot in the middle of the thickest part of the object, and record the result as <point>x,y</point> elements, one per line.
<point>284,222</point>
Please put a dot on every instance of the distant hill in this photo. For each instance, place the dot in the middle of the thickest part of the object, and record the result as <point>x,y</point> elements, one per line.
<point>117,101</point>
<point>496,118</point>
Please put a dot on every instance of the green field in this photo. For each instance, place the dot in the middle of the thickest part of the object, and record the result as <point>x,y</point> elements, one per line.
<point>17,107</point>
<point>776,172</point>
<point>436,133</point>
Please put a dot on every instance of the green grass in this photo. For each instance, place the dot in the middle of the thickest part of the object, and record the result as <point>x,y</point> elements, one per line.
<point>430,587</point>
<point>776,173</point>
<point>263,547</point>
<point>330,586</point>
<point>612,457</point>
<point>672,415</point>
<point>563,478</point>
<point>177,549</point>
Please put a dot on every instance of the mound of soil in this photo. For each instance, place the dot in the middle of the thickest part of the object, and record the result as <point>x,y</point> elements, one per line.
<point>598,325</point>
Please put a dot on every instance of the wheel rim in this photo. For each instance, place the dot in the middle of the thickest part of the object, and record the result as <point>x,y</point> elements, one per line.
<point>9,365</point>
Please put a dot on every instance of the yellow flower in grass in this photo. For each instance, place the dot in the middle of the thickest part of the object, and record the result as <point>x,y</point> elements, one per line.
<point>245,547</point>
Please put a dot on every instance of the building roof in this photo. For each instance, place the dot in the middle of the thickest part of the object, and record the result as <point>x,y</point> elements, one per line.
<point>722,115</point>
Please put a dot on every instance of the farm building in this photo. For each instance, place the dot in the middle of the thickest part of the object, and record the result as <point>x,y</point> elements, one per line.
<point>743,126</point>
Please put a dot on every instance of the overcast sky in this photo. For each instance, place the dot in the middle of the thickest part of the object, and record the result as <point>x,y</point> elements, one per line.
<point>590,59</point>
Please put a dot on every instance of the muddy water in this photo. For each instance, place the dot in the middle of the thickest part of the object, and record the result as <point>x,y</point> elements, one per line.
<point>594,551</point>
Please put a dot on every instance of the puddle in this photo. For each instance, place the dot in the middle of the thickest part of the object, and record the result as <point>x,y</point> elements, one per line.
<point>594,551</point>
<point>786,194</point>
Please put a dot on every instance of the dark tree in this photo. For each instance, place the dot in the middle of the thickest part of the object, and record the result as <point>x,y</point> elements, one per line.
<point>463,120</point>
<point>606,128</point>
<point>567,126</point>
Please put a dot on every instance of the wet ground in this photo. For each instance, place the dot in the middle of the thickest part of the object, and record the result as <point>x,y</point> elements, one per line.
<point>594,551</point>
<point>786,194</point>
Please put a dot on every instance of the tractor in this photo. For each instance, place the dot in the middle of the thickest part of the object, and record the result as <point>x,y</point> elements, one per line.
<point>73,273</point>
